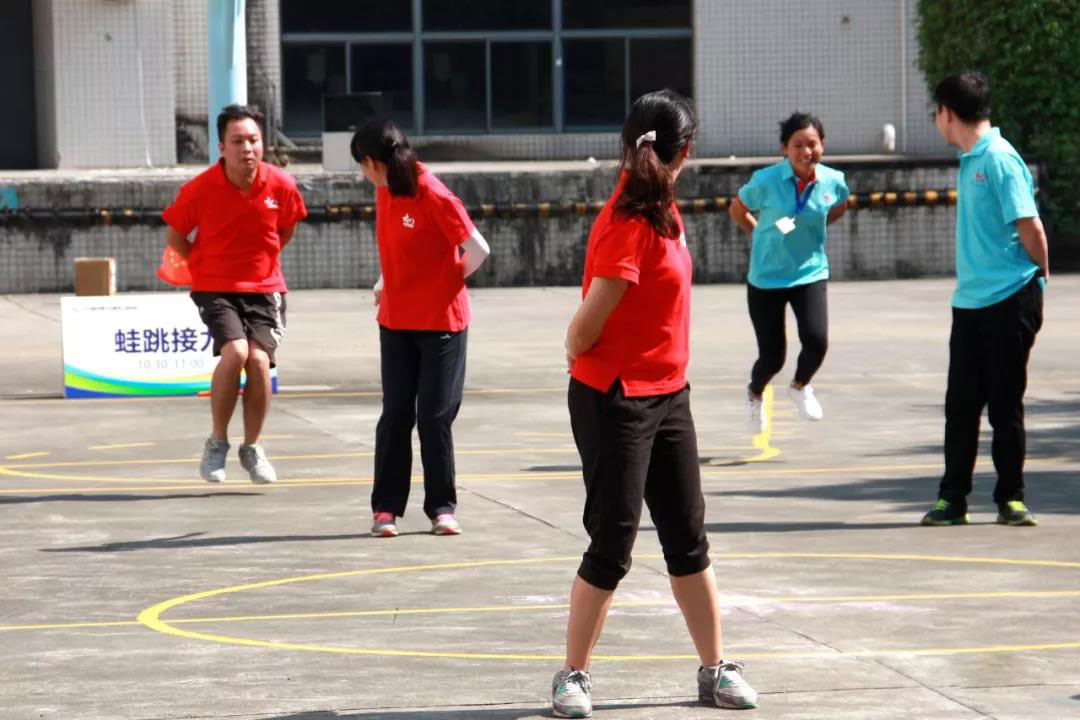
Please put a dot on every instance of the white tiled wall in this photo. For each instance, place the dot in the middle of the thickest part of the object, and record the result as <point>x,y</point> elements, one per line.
<point>109,83</point>
<point>851,62</point>
<point>191,58</point>
<point>264,56</point>
<point>846,61</point>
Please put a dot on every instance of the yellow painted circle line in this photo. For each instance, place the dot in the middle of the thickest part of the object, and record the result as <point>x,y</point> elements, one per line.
<point>151,617</point>
<point>707,473</point>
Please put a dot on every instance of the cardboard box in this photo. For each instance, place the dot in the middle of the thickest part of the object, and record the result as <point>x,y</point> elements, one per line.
<point>95,276</point>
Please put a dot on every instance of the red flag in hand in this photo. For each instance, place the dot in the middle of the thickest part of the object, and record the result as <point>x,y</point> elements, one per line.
<point>174,269</point>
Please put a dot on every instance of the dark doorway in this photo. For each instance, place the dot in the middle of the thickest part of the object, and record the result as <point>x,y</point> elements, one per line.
<point>18,125</point>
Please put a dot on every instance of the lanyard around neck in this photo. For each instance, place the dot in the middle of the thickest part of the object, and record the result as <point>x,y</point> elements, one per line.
<point>800,202</point>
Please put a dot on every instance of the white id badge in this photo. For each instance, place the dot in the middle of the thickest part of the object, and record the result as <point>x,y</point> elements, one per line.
<point>785,225</point>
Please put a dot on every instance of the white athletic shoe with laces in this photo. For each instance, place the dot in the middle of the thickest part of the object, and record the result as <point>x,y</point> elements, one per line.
<point>807,404</point>
<point>253,459</point>
<point>725,687</point>
<point>757,420</point>
<point>571,694</point>
<point>212,466</point>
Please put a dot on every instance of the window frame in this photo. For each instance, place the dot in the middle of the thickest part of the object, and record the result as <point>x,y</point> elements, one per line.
<point>418,37</point>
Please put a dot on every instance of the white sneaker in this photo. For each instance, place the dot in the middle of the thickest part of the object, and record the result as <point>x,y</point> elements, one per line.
<point>253,459</point>
<point>571,694</point>
<point>445,524</point>
<point>724,687</point>
<point>809,407</point>
<point>212,466</point>
<point>757,420</point>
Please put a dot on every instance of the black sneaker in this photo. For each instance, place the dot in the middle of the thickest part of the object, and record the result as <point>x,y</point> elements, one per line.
<point>945,513</point>
<point>1015,512</point>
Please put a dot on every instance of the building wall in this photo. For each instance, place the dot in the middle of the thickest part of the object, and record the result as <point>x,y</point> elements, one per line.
<point>192,84</point>
<point>851,62</point>
<point>108,90</point>
<point>264,57</point>
<point>60,221</point>
<point>44,81</point>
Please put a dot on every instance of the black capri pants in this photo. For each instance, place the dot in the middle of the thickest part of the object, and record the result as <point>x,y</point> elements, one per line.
<point>767,313</point>
<point>635,449</point>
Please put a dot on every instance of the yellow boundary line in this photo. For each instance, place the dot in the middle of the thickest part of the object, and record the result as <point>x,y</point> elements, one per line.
<point>24,456</point>
<point>707,472</point>
<point>393,612</point>
<point>151,617</point>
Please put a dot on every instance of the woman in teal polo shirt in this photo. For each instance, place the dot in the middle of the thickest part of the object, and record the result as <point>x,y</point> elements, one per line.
<point>794,200</point>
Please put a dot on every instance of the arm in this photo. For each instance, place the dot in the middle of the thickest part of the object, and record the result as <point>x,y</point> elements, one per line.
<point>1033,238</point>
<point>588,322</point>
<point>177,242</point>
<point>741,215</point>
<point>286,234</point>
<point>476,252</point>
<point>836,212</point>
<point>377,289</point>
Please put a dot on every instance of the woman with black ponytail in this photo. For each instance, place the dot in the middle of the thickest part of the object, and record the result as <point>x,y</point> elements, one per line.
<point>627,348</point>
<point>427,247</point>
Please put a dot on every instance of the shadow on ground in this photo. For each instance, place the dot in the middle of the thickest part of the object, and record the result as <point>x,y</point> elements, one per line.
<point>117,497</point>
<point>494,713</point>
<point>1047,491</point>
<point>195,539</point>
<point>1060,441</point>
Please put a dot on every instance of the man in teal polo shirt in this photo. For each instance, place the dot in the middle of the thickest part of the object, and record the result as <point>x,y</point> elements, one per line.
<point>1001,271</point>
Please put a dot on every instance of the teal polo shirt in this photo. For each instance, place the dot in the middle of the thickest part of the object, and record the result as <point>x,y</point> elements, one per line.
<point>797,258</point>
<point>993,190</point>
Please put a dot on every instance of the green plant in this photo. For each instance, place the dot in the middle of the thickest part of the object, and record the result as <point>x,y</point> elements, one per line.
<point>1028,50</point>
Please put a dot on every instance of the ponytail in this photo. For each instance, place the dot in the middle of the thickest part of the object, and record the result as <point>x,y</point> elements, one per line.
<point>401,171</point>
<point>659,127</point>
<point>383,141</point>
<point>648,190</point>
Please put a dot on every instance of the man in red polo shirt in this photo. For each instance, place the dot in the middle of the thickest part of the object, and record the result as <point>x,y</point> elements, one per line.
<point>244,212</point>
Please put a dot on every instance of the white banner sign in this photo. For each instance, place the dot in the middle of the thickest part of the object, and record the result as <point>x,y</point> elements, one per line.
<point>135,346</point>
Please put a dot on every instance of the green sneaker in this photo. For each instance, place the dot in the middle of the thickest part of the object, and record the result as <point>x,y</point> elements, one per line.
<point>1015,512</point>
<point>945,513</point>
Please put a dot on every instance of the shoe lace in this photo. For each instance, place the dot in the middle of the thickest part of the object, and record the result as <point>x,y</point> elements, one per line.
<point>384,517</point>
<point>733,665</point>
<point>729,674</point>
<point>941,505</point>
<point>576,681</point>
<point>1016,506</point>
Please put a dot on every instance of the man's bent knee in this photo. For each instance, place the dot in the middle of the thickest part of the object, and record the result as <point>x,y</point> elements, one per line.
<point>235,352</point>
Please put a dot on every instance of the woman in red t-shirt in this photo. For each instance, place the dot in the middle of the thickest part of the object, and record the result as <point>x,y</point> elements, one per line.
<point>427,247</point>
<point>627,347</point>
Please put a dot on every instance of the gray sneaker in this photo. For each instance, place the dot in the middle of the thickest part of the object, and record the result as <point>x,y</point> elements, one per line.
<point>212,467</point>
<point>571,694</point>
<point>724,687</point>
<point>253,459</point>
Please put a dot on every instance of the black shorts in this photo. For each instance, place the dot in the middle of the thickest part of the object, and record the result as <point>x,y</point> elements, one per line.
<point>257,317</point>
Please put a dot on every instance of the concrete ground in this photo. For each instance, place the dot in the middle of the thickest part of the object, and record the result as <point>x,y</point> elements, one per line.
<point>133,590</point>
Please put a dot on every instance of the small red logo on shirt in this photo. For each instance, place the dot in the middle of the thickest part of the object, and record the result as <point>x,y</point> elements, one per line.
<point>827,198</point>
<point>980,179</point>
<point>270,203</point>
<point>408,220</point>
